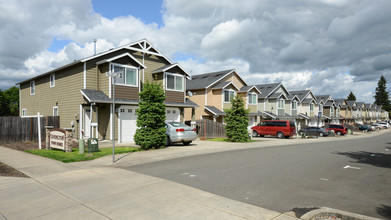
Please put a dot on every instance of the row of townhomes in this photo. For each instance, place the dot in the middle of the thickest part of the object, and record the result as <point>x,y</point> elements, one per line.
<point>81,94</point>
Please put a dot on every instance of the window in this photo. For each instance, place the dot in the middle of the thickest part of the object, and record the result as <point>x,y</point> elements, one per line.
<point>312,107</point>
<point>281,104</point>
<point>228,95</point>
<point>32,88</point>
<point>52,80</point>
<point>294,105</point>
<point>252,98</point>
<point>174,82</point>
<point>127,76</point>
<point>55,111</point>
<point>320,108</point>
<point>24,112</point>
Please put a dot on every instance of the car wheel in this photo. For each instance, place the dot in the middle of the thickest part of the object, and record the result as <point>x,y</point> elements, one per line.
<point>168,141</point>
<point>280,134</point>
<point>186,143</point>
<point>338,133</point>
<point>301,133</point>
<point>321,134</point>
<point>255,134</point>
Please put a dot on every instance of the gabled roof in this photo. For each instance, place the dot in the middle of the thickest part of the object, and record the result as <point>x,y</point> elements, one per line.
<point>324,98</point>
<point>307,101</point>
<point>214,110</point>
<point>329,103</point>
<point>143,46</point>
<point>206,80</point>
<point>248,88</point>
<point>292,96</point>
<point>168,67</point>
<point>339,101</point>
<point>268,89</point>
<point>360,104</point>
<point>350,103</point>
<point>223,85</point>
<point>120,56</point>
<point>302,94</point>
<point>277,96</point>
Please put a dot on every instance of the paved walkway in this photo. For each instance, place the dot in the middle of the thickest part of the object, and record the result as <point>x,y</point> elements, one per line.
<point>100,190</point>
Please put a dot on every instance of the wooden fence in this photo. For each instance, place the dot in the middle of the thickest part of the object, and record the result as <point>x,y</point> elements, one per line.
<point>209,129</point>
<point>18,129</point>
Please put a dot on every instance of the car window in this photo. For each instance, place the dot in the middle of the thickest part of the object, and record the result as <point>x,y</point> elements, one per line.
<point>177,124</point>
<point>292,124</point>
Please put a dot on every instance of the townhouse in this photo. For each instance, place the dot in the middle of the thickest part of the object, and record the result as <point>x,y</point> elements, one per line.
<point>213,92</point>
<point>81,93</point>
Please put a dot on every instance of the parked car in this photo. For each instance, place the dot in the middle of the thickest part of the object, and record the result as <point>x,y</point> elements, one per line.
<point>338,129</point>
<point>274,127</point>
<point>177,132</point>
<point>377,126</point>
<point>314,131</point>
<point>365,128</point>
<point>384,124</point>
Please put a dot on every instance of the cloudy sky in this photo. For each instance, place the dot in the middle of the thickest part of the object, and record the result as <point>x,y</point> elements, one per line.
<point>328,46</point>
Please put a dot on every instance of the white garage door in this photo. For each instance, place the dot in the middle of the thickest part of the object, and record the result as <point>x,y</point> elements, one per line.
<point>127,123</point>
<point>173,114</point>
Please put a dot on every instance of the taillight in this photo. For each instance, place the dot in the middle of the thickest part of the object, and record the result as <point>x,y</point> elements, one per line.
<point>180,130</point>
<point>194,129</point>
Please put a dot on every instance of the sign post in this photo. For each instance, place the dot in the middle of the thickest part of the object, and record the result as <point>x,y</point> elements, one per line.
<point>113,75</point>
<point>317,124</point>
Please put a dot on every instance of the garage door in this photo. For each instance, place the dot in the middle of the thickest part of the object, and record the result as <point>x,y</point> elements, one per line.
<point>173,114</point>
<point>127,123</point>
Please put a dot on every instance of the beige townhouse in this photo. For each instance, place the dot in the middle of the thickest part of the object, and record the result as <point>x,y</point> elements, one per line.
<point>81,93</point>
<point>213,92</point>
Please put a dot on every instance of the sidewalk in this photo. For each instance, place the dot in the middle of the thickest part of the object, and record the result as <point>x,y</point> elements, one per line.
<point>75,191</point>
<point>99,189</point>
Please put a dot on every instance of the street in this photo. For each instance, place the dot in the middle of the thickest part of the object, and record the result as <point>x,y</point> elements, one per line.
<point>350,175</point>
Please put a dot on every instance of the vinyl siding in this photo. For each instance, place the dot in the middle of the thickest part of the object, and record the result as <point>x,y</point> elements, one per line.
<point>217,99</point>
<point>173,96</point>
<point>126,92</point>
<point>252,108</point>
<point>104,81</point>
<point>66,93</point>
<point>198,98</point>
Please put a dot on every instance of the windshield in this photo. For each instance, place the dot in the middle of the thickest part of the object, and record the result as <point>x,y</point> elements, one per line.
<point>177,124</point>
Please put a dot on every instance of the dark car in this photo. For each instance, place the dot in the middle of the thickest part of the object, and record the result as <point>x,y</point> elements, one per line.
<point>338,129</point>
<point>364,128</point>
<point>311,131</point>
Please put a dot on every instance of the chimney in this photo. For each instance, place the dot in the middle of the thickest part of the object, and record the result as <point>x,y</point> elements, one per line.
<point>94,46</point>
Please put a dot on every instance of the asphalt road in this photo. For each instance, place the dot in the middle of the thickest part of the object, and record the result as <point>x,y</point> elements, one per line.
<point>350,175</point>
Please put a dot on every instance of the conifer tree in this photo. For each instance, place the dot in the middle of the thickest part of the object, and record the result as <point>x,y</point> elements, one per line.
<point>351,97</point>
<point>151,132</point>
<point>237,121</point>
<point>381,96</point>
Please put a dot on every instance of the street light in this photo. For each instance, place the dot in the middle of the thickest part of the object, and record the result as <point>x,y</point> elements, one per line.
<point>113,75</point>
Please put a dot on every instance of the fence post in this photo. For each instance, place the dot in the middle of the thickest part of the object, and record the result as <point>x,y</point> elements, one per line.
<point>39,131</point>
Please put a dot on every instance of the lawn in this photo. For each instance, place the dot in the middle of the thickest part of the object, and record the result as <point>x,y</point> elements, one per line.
<point>74,156</point>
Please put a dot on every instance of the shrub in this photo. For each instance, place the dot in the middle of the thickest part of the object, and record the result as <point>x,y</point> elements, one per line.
<point>237,121</point>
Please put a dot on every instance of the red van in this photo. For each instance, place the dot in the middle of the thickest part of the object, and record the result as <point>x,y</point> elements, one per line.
<point>338,129</point>
<point>274,127</point>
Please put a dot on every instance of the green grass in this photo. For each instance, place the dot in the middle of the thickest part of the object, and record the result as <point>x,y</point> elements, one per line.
<point>226,140</point>
<point>74,156</point>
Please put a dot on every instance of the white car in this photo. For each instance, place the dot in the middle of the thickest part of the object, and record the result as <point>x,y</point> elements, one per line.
<point>179,132</point>
<point>384,124</point>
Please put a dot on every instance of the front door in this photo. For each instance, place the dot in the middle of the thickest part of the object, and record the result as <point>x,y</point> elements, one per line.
<point>87,127</point>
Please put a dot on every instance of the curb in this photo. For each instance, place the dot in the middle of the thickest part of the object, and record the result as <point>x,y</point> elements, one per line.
<point>325,213</point>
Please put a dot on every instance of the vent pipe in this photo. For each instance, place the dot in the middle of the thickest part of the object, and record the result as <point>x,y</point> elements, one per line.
<point>94,46</point>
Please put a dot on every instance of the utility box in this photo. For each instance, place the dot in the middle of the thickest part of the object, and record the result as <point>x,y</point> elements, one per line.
<point>81,146</point>
<point>93,145</point>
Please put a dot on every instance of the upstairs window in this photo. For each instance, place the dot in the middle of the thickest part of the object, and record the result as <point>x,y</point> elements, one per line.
<point>294,105</point>
<point>320,108</point>
<point>174,82</point>
<point>24,112</point>
<point>252,98</point>
<point>127,75</point>
<point>228,95</point>
<point>281,103</point>
<point>32,88</point>
<point>52,80</point>
<point>312,107</point>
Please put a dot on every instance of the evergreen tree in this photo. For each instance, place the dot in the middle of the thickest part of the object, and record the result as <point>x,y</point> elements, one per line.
<point>351,97</point>
<point>9,102</point>
<point>237,121</point>
<point>381,96</point>
<point>151,132</point>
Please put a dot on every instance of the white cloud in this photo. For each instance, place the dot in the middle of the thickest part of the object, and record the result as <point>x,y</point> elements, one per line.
<point>329,46</point>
